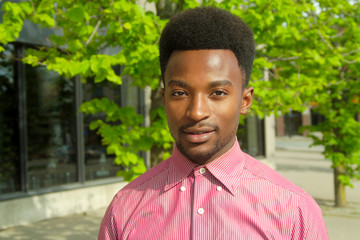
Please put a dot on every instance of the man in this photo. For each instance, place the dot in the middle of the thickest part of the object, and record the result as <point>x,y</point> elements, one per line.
<point>209,188</point>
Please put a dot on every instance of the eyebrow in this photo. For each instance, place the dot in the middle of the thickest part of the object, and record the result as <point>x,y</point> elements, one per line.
<point>213,84</point>
<point>179,83</point>
<point>217,83</point>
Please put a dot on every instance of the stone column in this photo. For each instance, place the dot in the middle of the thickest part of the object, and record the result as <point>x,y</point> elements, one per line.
<point>280,127</point>
<point>306,120</point>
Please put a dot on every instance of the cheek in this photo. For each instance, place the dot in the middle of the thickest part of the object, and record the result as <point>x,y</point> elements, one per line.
<point>172,111</point>
<point>173,118</point>
<point>228,113</point>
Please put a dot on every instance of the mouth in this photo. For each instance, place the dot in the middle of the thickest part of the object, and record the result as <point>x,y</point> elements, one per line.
<point>197,136</point>
<point>197,133</point>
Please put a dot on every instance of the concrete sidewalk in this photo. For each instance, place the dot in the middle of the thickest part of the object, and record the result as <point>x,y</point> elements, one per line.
<point>74,227</point>
<point>305,167</point>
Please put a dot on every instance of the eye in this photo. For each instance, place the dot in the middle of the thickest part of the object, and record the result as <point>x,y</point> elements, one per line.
<point>219,93</point>
<point>178,93</point>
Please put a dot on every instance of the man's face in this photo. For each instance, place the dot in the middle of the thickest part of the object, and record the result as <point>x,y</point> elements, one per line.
<point>203,99</point>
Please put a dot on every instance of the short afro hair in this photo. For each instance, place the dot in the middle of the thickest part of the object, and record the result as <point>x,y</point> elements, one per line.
<point>208,28</point>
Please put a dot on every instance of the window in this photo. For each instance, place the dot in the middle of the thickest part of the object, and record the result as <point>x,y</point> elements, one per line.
<point>98,163</point>
<point>316,118</point>
<point>50,128</point>
<point>251,136</point>
<point>42,132</point>
<point>9,134</point>
<point>293,122</point>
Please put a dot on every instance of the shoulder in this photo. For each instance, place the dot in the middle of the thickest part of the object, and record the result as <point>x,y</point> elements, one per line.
<point>153,175</point>
<point>267,182</point>
<point>132,197</point>
<point>307,220</point>
<point>263,172</point>
<point>148,184</point>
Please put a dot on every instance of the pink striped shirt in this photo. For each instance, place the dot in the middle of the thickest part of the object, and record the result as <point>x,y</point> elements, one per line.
<point>233,197</point>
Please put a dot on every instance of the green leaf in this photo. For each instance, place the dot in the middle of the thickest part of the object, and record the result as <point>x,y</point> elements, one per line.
<point>334,60</point>
<point>346,180</point>
<point>127,25</point>
<point>45,20</point>
<point>76,14</point>
<point>58,40</point>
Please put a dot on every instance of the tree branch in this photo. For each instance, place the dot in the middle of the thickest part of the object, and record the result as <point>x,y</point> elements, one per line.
<point>350,62</point>
<point>265,7</point>
<point>325,41</point>
<point>93,33</point>
<point>352,52</point>
<point>33,6</point>
<point>284,59</point>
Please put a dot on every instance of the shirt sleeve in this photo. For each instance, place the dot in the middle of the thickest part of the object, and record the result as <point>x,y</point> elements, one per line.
<point>108,227</point>
<point>309,223</point>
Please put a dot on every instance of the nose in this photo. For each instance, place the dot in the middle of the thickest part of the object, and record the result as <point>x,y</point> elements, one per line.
<point>198,108</point>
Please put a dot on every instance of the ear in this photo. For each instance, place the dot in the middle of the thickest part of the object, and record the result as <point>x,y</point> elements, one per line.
<point>246,99</point>
<point>163,95</point>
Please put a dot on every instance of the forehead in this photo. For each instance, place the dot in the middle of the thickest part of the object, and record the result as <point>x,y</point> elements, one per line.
<point>216,64</point>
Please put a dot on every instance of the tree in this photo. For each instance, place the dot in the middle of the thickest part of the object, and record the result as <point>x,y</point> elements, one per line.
<point>309,48</point>
<point>338,99</point>
<point>320,66</point>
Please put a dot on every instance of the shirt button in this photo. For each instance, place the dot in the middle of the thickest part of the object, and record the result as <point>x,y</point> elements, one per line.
<point>200,211</point>
<point>218,188</point>
<point>202,170</point>
<point>182,189</point>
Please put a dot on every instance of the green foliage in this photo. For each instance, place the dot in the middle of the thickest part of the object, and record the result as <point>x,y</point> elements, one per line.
<point>124,136</point>
<point>159,131</point>
<point>337,97</point>
<point>12,22</point>
<point>310,50</point>
<point>91,37</point>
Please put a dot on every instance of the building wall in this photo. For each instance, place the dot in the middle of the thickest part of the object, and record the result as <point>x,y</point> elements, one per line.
<point>289,124</point>
<point>280,128</point>
<point>35,208</point>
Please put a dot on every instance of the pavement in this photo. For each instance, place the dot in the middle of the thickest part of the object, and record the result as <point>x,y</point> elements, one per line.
<point>304,166</point>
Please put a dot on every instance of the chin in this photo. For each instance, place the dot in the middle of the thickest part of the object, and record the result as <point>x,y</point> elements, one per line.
<point>198,154</point>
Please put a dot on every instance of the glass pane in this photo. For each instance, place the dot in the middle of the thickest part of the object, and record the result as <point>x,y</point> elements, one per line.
<point>51,129</point>
<point>9,135</point>
<point>293,122</point>
<point>98,163</point>
<point>251,136</point>
<point>316,118</point>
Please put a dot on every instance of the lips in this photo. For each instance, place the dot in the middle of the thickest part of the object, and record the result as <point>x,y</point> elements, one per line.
<point>198,135</point>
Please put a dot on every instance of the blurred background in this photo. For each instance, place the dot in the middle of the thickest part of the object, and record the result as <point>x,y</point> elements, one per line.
<point>81,111</point>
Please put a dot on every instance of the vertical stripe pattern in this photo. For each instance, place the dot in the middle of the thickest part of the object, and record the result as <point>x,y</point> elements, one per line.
<point>233,197</point>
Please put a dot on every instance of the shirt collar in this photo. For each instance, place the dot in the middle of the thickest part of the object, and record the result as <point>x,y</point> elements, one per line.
<point>180,167</point>
<point>227,168</point>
